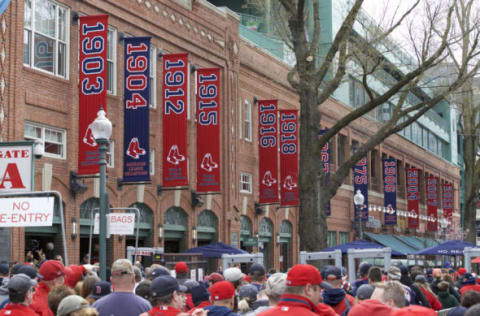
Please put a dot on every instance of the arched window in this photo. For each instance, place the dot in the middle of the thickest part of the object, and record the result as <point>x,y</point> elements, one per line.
<point>245,226</point>
<point>265,228</point>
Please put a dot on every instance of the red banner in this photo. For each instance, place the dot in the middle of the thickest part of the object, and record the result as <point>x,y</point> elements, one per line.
<point>412,197</point>
<point>175,98</point>
<point>289,157</point>
<point>208,130</point>
<point>432,201</point>
<point>447,194</point>
<point>268,151</point>
<point>92,87</point>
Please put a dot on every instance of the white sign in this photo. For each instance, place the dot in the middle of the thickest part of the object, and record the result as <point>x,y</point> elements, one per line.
<point>117,224</point>
<point>16,168</point>
<point>26,212</point>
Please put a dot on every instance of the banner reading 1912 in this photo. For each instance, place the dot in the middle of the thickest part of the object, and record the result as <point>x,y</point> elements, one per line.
<point>92,87</point>
<point>289,157</point>
<point>390,190</point>
<point>432,198</point>
<point>175,97</point>
<point>136,149</point>
<point>412,197</point>
<point>208,130</point>
<point>268,151</point>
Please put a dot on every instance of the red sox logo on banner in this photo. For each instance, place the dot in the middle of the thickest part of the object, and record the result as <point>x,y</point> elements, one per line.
<point>268,151</point>
<point>289,157</point>
<point>447,194</point>
<point>432,198</point>
<point>412,197</point>
<point>92,92</point>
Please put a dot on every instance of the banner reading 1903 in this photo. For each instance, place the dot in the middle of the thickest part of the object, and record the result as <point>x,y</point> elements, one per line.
<point>175,97</point>
<point>390,190</point>
<point>268,151</point>
<point>136,149</point>
<point>92,87</point>
<point>289,157</point>
<point>413,197</point>
<point>208,130</point>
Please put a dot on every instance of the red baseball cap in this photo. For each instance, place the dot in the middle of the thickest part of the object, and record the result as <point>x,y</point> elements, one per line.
<point>303,274</point>
<point>414,310</point>
<point>51,269</point>
<point>222,290</point>
<point>462,271</point>
<point>73,274</point>
<point>181,267</point>
<point>215,277</point>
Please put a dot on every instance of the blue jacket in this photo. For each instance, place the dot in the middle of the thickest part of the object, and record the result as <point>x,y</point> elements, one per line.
<point>219,311</point>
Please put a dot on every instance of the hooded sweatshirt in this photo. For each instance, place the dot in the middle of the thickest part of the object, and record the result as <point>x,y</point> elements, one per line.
<point>447,300</point>
<point>219,311</point>
<point>4,290</point>
<point>336,299</point>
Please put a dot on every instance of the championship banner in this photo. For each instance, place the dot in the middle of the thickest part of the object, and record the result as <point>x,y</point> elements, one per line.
<point>92,87</point>
<point>208,130</point>
<point>432,198</point>
<point>412,197</point>
<point>325,159</point>
<point>360,182</point>
<point>136,149</point>
<point>390,190</point>
<point>447,194</point>
<point>268,151</point>
<point>175,98</point>
<point>289,157</point>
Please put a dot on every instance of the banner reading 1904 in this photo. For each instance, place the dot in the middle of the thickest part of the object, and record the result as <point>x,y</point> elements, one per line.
<point>175,97</point>
<point>289,157</point>
<point>92,87</point>
<point>268,151</point>
<point>136,149</point>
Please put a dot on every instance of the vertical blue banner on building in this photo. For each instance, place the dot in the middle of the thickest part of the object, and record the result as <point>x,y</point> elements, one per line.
<point>390,190</point>
<point>136,149</point>
<point>360,182</point>
<point>325,159</point>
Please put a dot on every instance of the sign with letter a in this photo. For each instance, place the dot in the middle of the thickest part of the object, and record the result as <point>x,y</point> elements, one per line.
<point>16,167</point>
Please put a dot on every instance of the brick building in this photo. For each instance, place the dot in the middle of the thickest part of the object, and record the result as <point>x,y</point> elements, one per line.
<point>40,101</point>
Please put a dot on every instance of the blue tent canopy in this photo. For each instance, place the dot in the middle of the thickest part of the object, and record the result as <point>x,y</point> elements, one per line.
<point>3,5</point>
<point>216,250</point>
<point>448,248</point>
<point>359,244</point>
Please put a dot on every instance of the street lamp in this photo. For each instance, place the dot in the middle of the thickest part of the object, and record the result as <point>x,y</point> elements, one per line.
<point>444,223</point>
<point>358,200</point>
<point>102,130</point>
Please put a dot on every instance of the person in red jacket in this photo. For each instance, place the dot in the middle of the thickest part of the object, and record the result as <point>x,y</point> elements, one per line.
<point>421,281</point>
<point>52,273</point>
<point>469,284</point>
<point>20,293</point>
<point>302,295</point>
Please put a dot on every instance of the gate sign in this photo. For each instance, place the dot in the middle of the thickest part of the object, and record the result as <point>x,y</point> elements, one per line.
<point>117,224</point>
<point>16,167</point>
<point>26,212</point>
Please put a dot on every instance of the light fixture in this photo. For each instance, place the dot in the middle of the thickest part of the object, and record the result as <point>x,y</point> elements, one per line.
<point>160,232</point>
<point>38,148</point>
<point>278,238</point>
<point>101,126</point>
<point>74,228</point>
<point>76,186</point>
<point>194,233</point>
<point>196,200</point>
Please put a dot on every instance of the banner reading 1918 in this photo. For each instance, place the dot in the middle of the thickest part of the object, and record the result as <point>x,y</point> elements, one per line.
<point>412,197</point>
<point>325,159</point>
<point>289,157</point>
<point>360,182</point>
<point>268,151</point>
<point>92,87</point>
<point>390,190</point>
<point>208,130</point>
<point>432,199</point>
<point>175,97</point>
<point>136,149</point>
<point>447,194</point>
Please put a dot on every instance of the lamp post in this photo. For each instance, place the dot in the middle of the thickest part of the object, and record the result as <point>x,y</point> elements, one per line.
<point>444,223</point>
<point>358,200</point>
<point>102,130</point>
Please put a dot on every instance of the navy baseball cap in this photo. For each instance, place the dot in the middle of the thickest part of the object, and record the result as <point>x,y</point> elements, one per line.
<point>30,271</point>
<point>158,272</point>
<point>4,269</point>
<point>257,267</point>
<point>100,289</point>
<point>163,285</point>
<point>332,273</point>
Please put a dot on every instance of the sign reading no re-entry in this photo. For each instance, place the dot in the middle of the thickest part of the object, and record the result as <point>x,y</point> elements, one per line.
<point>26,212</point>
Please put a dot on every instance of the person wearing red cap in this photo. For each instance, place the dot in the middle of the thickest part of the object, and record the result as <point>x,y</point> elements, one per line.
<point>222,295</point>
<point>302,295</point>
<point>181,271</point>
<point>52,273</point>
<point>413,310</point>
<point>214,278</point>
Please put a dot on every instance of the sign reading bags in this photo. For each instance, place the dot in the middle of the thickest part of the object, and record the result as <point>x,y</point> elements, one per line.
<point>208,130</point>
<point>360,182</point>
<point>268,151</point>
<point>447,194</point>
<point>432,198</point>
<point>289,157</point>
<point>175,100</point>
<point>390,190</point>
<point>325,159</point>
<point>412,197</point>
<point>136,149</point>
<point>92,87</point>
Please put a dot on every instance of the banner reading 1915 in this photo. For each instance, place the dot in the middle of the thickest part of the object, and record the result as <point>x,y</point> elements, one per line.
<point>175,98</point>
<point>412,197</point>
<point>432,198</point>
<point>360,182</point>
<point>390,190</point>
<point>289,157</point>
<point>268,151</point>
<point>136,149</point>
<point>325,159</point>
<point>208,130</point>
<point>92,87</point>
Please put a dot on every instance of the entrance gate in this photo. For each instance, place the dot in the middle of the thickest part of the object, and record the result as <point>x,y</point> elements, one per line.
<point>385,253</point>
<point>322,255</point>
<point>242,258</point>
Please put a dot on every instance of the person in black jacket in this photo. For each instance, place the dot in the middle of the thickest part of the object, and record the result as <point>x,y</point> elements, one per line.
<point>420,298</point>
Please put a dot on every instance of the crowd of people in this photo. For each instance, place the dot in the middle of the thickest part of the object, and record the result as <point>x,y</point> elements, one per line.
<point>53,289</point>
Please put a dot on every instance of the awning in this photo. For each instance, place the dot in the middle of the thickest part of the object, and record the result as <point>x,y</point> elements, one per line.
<point>414,242</point>
<point>392,242</point>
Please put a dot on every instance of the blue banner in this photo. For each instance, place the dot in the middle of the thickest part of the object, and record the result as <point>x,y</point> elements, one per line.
<point>325,159</point>
<point>360,182</point>
<point>390,190</point>
<point>136,149</point>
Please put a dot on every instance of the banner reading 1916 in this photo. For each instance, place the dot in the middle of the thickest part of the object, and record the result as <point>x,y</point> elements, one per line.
<point>390,190</point>
<point>412,197</point>
<point>208,130</point>
<point>92,87</point>
<point>360,182</point>
<point>136,149</point>
<point>325,159</point>
<point>175,97</point>
<point>268,151</point>
<point>432,198</point>
<point>289,157</point>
